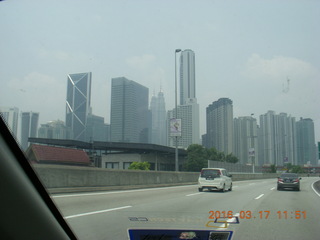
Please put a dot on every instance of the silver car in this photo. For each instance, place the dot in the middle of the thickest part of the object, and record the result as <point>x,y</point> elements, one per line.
<point>214,179</point>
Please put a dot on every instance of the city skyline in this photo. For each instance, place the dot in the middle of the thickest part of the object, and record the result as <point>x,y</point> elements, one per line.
<point>278,139</point>
<point>260,62</point>
<point>57,119</point>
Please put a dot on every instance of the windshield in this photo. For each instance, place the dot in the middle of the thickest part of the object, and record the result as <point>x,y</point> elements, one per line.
<point>119,105</point>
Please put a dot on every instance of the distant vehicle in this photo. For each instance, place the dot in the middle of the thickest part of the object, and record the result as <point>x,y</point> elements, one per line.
<point>289,180</point>
<point>214,179</point>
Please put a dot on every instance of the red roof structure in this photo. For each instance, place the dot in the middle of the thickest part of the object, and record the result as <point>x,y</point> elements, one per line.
<point>57,155</point>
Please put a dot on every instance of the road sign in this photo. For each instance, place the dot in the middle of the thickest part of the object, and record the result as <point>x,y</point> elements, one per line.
<point>251,152</point>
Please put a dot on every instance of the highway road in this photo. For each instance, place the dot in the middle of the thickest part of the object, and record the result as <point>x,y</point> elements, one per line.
<point>252,210</point>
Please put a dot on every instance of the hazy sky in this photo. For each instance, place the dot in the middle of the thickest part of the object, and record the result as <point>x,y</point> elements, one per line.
<point>245,50</point>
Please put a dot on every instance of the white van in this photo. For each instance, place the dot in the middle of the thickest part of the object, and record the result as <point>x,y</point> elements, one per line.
<point>214,179</point>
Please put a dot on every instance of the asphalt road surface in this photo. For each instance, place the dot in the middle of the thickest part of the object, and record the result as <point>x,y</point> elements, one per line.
<point>252,210</point>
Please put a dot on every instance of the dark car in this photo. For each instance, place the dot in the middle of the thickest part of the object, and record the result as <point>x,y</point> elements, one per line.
<point>289,180</point>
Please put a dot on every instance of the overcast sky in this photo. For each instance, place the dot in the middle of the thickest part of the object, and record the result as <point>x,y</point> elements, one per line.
<point>263,55</point>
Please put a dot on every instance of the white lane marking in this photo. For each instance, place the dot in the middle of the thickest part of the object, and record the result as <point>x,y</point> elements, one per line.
<point>105,193</point>
<point>192,194</point>
<point>314,188</point>
<point>96,212</point>
<point>273,188</point>
<point>260,196</point>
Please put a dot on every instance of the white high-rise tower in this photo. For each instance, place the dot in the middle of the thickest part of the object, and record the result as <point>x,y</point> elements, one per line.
<point>188,110</point>
<point>187,76</point>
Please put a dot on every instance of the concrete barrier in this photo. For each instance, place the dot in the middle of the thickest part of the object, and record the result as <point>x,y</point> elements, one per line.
<point>75,179</point>
<point>66,178</point>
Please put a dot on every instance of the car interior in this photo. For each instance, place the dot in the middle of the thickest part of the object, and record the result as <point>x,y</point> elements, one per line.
<point>27,211</point>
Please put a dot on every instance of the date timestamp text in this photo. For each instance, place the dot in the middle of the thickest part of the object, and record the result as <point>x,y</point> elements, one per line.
<point>258,215</point>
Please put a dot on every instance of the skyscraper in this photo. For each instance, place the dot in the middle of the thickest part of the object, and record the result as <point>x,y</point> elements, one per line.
<point>78,103</point>
<point>11,116</point>
<point>187,76</point>
<point>219,116</point>
<point>130,116</point>
<point>277,139</point>
<point>29,127</point>
<point>245,131</point>
<point>159,117</point>
<point>306,142</point>
<point>188,111</point>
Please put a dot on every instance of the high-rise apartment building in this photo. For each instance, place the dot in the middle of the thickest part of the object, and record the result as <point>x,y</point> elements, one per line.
<point>187,76</point>
<point>245,140</point>
<point>306,142</point>
<point>11,115</point>
<point>277,139</point>
<point>159,118</point>
<point>130,118</point>
<point>219,117</point>
<point>78,103</point>
<point>29,127</point>
<point>189,115</point>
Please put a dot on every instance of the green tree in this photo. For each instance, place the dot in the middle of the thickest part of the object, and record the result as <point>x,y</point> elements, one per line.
<point>139,166</point>
<point>231,158</point>
<point>289,167</point>
<point>296,169</point>
<point>221,157</point>
<point>196,158</point>
<point>212,154</point>
<point>273,168</point>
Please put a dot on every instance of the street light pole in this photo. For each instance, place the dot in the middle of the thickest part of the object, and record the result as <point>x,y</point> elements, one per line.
<point>176,108</point>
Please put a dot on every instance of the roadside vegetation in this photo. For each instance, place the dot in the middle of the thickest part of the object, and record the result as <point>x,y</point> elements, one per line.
<point>198,156</point>
<point>139,166</point>
<point>288,168</point>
